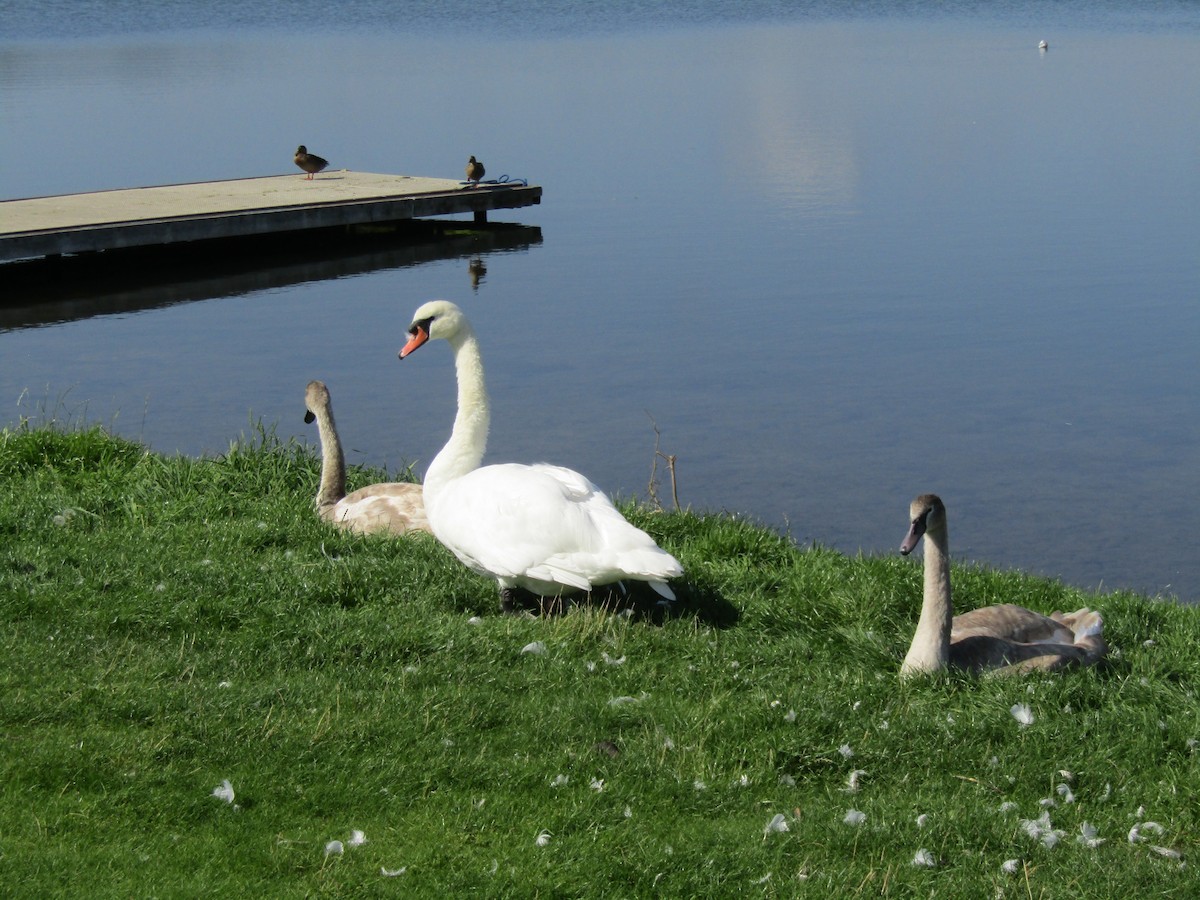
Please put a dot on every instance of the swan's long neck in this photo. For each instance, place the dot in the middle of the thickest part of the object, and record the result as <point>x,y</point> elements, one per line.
<point>468,441</point>
<point>930,648</point>
<point>333,462</point>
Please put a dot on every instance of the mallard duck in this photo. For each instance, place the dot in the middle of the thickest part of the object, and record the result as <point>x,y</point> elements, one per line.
<point>309,162</point>
<point>475,170</point>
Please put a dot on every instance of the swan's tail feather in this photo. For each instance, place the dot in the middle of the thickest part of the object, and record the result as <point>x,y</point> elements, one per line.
<point>582,570</point>
<point>1083,622</point>
<point>1093,627</point>
<point>663,589</point>
<point>1088,627</point>
<point>650,563</point>
<point>562,575</point>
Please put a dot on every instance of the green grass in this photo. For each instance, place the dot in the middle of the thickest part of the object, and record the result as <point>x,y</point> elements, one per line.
<point>169,623</point>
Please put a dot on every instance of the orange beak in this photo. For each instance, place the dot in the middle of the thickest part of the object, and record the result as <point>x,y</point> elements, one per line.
<point>417,336</point>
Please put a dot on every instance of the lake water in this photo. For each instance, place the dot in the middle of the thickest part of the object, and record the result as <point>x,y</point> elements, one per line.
<point>838,254</point>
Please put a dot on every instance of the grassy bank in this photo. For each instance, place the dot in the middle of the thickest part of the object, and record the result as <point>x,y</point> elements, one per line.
<point>169,624</point>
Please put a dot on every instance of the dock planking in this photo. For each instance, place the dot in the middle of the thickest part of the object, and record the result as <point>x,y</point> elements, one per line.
<point>245,207</point>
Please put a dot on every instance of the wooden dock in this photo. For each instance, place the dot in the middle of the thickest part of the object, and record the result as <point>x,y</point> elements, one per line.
<point>42,227</point>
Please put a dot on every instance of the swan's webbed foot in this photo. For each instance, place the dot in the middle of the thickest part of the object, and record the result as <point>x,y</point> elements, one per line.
<point>634,598</point>
<point>519,600</point>
<point>509,601</point>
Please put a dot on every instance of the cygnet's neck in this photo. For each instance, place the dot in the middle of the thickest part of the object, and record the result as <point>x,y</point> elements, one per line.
<point>468,441</point>
<point>333,462</point>
<point>930,648</point>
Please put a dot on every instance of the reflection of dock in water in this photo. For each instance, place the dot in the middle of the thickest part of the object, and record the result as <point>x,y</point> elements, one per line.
<point>42,292</point>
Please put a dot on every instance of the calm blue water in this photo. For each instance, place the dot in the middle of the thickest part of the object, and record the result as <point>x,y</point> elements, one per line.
<point>837,256</point>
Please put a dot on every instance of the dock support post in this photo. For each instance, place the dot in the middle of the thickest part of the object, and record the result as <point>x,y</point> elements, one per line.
<point>481,217</point>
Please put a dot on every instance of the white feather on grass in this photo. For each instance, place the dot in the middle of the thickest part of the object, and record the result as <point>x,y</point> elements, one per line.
<point>777,825</point>
<point>1022,713</point>
<point>1137,832</point>
<point>854,817</point>
<point>924,858</point>
<point>1040,829</point>
<point>224,791</point>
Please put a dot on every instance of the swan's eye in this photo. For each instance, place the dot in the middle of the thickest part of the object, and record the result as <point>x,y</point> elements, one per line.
<point>424,325</point>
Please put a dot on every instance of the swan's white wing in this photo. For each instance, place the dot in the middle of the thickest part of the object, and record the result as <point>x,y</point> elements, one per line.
<point>1083,622</point>
<point>607,547</point>
<point>544,523</point>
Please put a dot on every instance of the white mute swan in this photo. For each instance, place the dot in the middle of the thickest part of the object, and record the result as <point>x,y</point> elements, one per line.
<point>1008,638</point>
<point>387,507</point>
<point>540,528</point>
